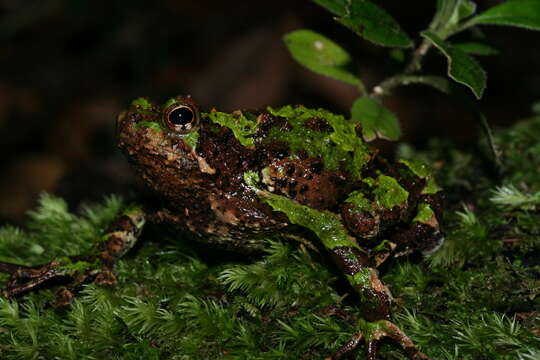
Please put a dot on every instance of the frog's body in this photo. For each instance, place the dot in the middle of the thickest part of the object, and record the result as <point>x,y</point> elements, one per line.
<point>312,157</point>
<point>232,179</point>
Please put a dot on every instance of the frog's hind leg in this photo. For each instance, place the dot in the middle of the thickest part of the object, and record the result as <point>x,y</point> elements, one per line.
<point>360,270</point>
<point>376,305</point>
<point>96,264</point>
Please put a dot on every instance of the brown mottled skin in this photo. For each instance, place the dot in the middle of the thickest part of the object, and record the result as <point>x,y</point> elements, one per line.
<point>213,201</point>
<point>204,191</point>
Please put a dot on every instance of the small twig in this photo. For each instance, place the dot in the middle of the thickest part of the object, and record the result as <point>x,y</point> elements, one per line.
<point>385,86</point>
<point>416,61</point>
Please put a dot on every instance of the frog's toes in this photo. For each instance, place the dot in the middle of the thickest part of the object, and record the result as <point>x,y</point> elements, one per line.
<point>64,297</point>
<point>64,270</point>
<point>372,333</point>
<point>106,278</point>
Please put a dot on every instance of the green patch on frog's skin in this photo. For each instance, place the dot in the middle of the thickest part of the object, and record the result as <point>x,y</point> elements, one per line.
<point>142,103</point>
<point>251,178</point>
<point>360,202</point>
<point>325,224</point>
<point>387,192</point>
<point>425,214</point>
<point>143,106</point>
<point>149,124</point>
<point>169,102</point>
<point>423,171</point>
<point>136,213</point>
<point>371,329</point>
<point>361,278</point>
<point>70,267</point>
<point>192,138</point>
<point>362,282</point>
<point>340,146</point>
<point>243,125</point>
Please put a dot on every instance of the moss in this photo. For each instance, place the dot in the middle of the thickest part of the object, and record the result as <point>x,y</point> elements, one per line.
<point>476,298</point>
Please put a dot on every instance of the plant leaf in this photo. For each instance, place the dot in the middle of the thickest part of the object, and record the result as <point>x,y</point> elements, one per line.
<point>444,13</point>
<point>448,15</point>
<point>374,24</point>
<point>376,120</point>
<point>521,13</point>
<point>461,67</point>
<point>336,7</point>
<point>476,48</point>
<point>321,55</point>
<point>466,8</point>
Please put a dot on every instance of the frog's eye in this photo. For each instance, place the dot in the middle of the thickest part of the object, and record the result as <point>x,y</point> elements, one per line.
<point>181,119</point>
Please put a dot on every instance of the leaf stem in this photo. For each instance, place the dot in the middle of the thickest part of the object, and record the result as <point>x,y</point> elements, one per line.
<point>362,88</point>
<point>385,86</point>
<point>416,61</point>
<point>491,141</point>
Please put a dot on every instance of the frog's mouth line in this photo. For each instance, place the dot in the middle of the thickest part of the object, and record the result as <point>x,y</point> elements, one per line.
<point>438,245</point>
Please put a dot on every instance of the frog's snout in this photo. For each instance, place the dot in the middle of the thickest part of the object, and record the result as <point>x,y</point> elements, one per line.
<point>117,126</point>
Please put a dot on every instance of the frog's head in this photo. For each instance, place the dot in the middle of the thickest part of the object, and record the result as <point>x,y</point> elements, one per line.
<point>160,140</point>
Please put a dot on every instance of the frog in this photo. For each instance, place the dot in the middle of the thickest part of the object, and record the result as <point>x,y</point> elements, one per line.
<point>234,179</point>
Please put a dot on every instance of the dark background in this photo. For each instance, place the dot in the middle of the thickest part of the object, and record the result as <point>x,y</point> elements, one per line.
<point>69,66</point>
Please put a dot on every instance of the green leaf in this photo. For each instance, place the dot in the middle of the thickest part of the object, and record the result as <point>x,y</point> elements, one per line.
<point>521,13</point>
<point>321,55</point>
<point>376,120</point>
<point>466,8</point>
<point>461,67</point>
<point>476,48</point>
<point>374,24</point>
<point>444,14</point>
<point>448,15</point>
<point>336,7</point>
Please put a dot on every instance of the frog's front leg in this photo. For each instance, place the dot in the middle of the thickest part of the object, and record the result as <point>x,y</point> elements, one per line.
<point>96,264</point>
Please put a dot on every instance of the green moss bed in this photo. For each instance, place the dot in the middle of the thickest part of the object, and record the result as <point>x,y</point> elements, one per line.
<point>476,298</point>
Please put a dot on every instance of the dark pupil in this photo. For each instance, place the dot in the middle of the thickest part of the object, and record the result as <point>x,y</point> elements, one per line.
<point>181,116</point>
